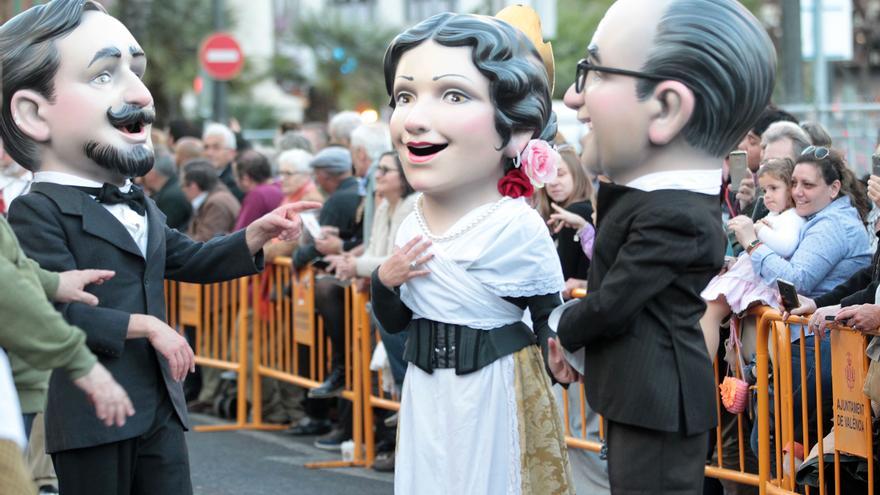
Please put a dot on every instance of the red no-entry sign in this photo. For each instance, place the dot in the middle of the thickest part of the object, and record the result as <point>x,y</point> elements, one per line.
<point>221,56</point>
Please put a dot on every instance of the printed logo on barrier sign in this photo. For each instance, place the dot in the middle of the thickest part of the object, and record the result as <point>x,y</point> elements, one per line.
<point>849,372</point>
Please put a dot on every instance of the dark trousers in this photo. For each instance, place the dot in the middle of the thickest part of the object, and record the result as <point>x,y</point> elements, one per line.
<point>153,463</point>
<point>330,304</point>
<point>28,419</point>
<point>643,461</point>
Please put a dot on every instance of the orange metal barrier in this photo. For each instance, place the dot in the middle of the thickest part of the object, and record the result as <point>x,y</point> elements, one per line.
<point>374,394</point>
<point>214,312</point>
<point>285,324</point>
<point>289,345</point>
<point>851,412</point>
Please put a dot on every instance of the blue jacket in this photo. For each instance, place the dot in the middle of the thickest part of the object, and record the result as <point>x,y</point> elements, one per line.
<point>833,245</point>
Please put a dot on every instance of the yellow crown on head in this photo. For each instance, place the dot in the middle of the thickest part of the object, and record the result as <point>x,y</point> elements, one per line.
<point>529,22</point>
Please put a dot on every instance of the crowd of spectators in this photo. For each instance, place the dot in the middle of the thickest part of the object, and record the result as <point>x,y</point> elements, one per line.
<point>210,181</point>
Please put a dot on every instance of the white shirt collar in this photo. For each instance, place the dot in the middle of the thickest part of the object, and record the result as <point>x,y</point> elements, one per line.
<point>66,179</point>
<point>698,181</point>
<point>199,200</point>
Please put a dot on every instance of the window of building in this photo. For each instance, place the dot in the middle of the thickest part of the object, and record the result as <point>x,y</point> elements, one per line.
<point>418,10</point>
<point>361,10</point>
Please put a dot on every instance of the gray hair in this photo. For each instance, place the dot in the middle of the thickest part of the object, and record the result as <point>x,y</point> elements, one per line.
<point>518,82</point>
<point>216,129</point>
<point>722,53</point>
<point>375,138</point>
<point>342,125</point>
<point>818,135</point>
<point>298,159</point>
<point>784,129</point>
<point>164,162</point>
<point>294,140</point>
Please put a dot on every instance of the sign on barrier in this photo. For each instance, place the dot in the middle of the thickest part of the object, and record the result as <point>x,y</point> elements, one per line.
<point>850,404</point>
<point>303,309</point>
<point>190,296</point>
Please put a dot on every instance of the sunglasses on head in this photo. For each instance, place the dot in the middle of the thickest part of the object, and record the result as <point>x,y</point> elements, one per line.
<point>817,152</point>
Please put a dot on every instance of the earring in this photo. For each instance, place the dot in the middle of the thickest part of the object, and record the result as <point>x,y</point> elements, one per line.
<point>517,160</point>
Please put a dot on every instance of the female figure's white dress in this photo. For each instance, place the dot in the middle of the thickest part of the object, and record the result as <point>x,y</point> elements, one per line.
<point>740,285</point>
<point>474,433</point>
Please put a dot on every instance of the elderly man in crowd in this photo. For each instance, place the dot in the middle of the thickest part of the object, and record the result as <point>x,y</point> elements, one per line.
<point>784,139</point>
<point>186,149</point>
<point>341,126</point>
<point>220,148</point>
<point>341,229</point>
<point>164,188</point>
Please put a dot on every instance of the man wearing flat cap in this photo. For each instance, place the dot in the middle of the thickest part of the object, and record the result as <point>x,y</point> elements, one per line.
<point>341,226</point>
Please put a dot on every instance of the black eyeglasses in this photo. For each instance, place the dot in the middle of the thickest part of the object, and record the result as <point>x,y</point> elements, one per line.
<point>818,152</point>
<point>584,66</point>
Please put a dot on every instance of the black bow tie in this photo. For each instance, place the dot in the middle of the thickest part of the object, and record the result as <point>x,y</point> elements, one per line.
<point>111,195</point>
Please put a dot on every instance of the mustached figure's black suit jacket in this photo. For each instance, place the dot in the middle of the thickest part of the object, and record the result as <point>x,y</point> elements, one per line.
<point>64,229</point>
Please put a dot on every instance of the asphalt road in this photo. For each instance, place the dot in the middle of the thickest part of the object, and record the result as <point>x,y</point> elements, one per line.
<point>270,463</point>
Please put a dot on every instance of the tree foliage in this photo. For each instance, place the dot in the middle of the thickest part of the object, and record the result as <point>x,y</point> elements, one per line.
<point>170,32</point>
<point>577,21</point>
<point>348,57</point>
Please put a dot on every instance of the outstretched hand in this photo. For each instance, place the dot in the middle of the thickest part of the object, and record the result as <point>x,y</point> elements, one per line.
<point>71,285</point>
<point>562,371</point>
<point>282,222</point>
<point>404,263</point>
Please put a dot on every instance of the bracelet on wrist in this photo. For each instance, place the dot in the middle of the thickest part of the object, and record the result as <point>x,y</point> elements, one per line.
<point>753,245</point>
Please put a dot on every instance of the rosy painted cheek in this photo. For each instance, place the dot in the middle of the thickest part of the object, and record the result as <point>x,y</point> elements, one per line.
<point>472,125</point>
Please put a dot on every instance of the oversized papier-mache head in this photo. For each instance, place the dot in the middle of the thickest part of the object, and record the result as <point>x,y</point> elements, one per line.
<point>73,96</point>
<point>492,69</point>
<point>659,74</point>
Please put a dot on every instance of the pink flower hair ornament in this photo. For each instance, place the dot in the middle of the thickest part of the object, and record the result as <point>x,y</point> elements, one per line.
<point>540,162</point>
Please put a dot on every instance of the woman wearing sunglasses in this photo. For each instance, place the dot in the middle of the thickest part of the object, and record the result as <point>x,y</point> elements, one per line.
<point>833,246</point>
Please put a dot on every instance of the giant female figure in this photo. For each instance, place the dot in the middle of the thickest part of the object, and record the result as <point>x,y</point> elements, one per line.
<point>471,101</point>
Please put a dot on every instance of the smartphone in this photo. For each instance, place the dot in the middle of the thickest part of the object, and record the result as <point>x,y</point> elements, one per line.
<point>875,165</point>
<point>789,294</point>
<point>738,165</point>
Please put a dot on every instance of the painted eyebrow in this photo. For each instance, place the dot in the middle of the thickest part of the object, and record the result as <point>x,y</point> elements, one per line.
<point>450,75</point>
<point>408,78</point>
<point>136,51</point>
<point>593,50</point>
<point>108,52</point>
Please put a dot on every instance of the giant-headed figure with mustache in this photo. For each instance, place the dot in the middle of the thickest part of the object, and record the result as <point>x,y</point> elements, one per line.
<point>76,112</point>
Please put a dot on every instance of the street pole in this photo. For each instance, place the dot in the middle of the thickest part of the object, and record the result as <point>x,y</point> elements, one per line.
<point>792,67</point>
<point>820,66</point>
<point>219,93</point>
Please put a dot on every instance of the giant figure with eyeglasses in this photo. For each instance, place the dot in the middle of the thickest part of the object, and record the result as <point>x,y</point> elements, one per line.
<point>668,88</point>
<point>77,113</point>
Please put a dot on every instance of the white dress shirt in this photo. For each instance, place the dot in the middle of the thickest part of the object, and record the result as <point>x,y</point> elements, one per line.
<point>698,181</point>
<point>134,223</point>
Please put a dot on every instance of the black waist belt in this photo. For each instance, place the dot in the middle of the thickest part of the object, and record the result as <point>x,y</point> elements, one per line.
<point>434,345</point>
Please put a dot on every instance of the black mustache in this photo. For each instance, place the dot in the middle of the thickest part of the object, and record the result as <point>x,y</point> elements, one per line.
<point>130,115</point>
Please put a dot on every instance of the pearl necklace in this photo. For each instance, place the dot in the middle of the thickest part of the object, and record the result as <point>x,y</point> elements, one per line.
<point>458,233</point>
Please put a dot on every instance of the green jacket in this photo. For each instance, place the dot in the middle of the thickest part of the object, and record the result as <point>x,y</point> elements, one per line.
<point>33,333</point>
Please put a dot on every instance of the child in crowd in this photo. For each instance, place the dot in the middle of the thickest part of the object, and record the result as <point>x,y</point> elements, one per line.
<point>740,287</point>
